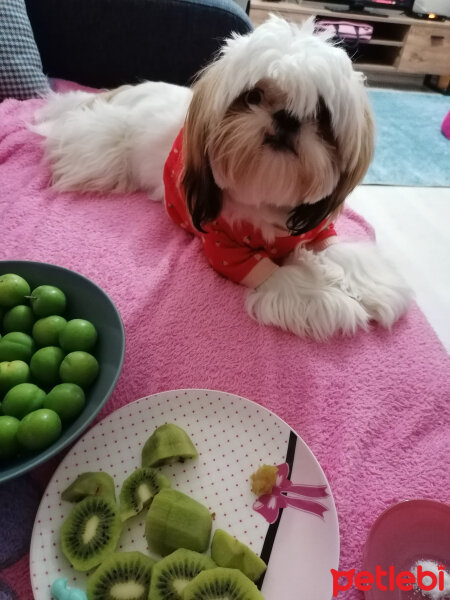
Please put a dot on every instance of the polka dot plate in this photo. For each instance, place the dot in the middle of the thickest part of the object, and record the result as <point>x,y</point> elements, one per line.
<point>294,529</point>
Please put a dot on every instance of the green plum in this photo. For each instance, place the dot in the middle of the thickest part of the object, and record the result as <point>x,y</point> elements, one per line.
<point>12,373</point>
<point>45,364</point>
<point>19,318</point>
<point>78,334</point>
<point>66,399</point>
<point>13,290</point>
<point>46,331</point>
<point>22,399</point>
<point>9,445</point>
<point>80,368</point>
<point>47,300</point>
<point>16,345</point>
<point>39,429</point>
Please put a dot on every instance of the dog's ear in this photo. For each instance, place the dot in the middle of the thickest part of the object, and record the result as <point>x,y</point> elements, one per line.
<point>358,155</point>
<point>360,152</point>
<point>305,217</point>
<point>203,195</point>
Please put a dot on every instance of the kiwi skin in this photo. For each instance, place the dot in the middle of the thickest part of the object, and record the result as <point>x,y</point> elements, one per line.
<point>227,551</point>
<point>167,444</point>
<point>218,583</point>
<point>96,518</point>
<point>173,572</point>
<point>121,568</point>
<point>93,483</point>
<point>139,489</point>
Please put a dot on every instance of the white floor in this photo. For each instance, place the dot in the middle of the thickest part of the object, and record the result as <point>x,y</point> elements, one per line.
<point>412,226</point>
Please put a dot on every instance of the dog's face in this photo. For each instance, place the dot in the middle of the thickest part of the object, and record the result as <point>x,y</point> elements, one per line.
<point>280,119</point>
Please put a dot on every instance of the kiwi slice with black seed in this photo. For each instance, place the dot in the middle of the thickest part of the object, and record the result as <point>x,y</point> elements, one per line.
<point>227,551</point>
<point>122,576</point>
<point>96,483</point>
<point>221,584</point>
<point>139,489</point>
<point>91,532</point>
<point>175,520</point>
<point>172,574</point>
<point>167,444</point>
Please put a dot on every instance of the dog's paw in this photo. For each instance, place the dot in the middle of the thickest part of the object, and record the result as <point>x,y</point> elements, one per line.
<point>304,301</point>
<point>386,302</point>
<point>371,280</point>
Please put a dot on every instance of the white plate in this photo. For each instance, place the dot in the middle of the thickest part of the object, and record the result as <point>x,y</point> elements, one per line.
<point>233,436</point>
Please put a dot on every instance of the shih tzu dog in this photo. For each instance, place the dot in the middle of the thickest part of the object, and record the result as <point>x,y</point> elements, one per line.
<point>256,160</point>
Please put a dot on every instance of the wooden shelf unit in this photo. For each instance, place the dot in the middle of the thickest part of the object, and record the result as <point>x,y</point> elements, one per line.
<point>399,44</point>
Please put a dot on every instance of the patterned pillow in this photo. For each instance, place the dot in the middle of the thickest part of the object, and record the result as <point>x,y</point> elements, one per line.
<point>21,73</point>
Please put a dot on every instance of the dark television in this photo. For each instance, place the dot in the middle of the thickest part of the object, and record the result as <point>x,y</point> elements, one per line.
<point>368,6</point>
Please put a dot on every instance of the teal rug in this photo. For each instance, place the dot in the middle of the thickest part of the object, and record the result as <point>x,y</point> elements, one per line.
<point>410,148</point>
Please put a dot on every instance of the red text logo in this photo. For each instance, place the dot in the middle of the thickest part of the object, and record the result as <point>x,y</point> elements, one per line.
<point>388,580</point>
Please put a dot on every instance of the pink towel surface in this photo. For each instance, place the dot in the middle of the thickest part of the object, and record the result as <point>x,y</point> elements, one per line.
<point>374,408</point>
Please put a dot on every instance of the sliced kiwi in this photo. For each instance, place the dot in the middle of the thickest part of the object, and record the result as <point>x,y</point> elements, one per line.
<point>227,551</point>
<point>122,576</point>
<point>172,574</point>
<point>91,532</point>
<point>174,521</point>
<point>90,484</point>
<point>139,489</point>
<point>167,444</point>
<point>221,584</point>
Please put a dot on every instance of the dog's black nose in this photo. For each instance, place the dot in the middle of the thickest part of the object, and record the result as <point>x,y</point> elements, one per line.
<point>286,122</point>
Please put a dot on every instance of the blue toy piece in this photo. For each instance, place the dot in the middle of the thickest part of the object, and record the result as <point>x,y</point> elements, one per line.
<point>60,591</point>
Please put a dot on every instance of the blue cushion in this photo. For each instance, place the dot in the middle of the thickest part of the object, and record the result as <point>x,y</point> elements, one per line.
<point>21,74</point>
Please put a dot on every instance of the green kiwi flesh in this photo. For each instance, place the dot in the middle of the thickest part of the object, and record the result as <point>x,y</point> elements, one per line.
<point>139,489</point>
<point>227,551</point>
<point>91,532</point>
<point>90,484</point>
<point>122,576</point>
<point>174,520</point>
<point>167,444</point>
<point>171,574</point>
<point>221,584</point>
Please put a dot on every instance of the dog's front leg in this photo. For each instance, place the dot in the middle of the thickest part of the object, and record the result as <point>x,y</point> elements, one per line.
<point>370,278</point>
<point>307,298</point>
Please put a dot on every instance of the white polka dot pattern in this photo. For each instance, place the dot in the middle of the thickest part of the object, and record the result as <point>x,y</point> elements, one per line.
<point>233,436</point>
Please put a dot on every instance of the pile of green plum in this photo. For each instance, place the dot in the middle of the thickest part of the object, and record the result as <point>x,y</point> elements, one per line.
<point>46,364</point>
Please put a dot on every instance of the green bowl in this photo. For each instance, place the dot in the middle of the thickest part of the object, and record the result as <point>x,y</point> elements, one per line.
<point>85,300</point>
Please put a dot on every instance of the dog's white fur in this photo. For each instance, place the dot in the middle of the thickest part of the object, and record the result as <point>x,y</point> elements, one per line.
<point>117,144</point>
<point>343,288</point>
<point>119,141</point>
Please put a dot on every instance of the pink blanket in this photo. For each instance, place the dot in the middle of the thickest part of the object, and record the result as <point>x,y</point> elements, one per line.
<point>374,409</point>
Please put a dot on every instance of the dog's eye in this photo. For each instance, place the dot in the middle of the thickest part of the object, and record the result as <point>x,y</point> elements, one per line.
<point>254,96</point>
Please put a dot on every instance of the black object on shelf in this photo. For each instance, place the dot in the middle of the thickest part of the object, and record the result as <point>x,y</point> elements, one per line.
<point>425,16</point>
<point>431,81</point>
<point>357,7</point>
